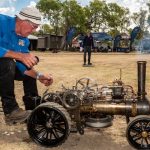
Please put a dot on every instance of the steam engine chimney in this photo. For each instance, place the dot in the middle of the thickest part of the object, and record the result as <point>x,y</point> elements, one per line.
<point>141,66</point>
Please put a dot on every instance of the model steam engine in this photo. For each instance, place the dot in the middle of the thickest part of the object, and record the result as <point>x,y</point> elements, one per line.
<point>88,104</point>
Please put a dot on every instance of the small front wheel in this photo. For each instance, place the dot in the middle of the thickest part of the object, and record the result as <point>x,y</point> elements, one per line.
<point>138,132</point>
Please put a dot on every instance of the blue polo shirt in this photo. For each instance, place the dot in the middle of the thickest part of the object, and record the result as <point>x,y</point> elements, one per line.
<point>9,40</point>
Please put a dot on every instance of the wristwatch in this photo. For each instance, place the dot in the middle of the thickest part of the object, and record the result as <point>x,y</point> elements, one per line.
<point>38,75</point>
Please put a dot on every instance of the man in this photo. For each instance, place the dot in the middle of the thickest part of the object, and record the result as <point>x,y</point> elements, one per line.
<point>88,44</point>
<point>16,63</point>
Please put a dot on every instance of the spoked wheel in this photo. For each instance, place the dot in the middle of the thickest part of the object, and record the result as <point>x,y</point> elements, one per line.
<point>49,124</point>
<point>138,132</point>
<point>86,84</point>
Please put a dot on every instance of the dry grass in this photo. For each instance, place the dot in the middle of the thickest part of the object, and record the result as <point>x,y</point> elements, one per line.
<point>66,68</point>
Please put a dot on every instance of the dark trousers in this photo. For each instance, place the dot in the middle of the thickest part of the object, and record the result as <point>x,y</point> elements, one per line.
<point>9,73</point>
<point>87,49</point>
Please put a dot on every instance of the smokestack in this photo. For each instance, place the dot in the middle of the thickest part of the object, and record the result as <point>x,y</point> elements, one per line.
<point>141,79</point>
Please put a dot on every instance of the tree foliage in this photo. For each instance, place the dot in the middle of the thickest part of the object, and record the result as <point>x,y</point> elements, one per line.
<point>51,10</point>
<point>73,15</point>
<point>97,16</point>
<point>46,28</point>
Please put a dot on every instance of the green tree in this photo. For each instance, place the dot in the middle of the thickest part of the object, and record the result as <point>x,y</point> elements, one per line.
<point>148,18</point>
<point>140,18</point>
<point>110,17</point>
<point>51,10</point>
<point>95,15</point>
<point>117,17</point>
<point>46,28</point>
<point>73,15</point>
<point>63,15</point>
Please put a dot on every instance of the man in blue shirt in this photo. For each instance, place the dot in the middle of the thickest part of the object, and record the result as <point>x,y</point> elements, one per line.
<point>16,63</point>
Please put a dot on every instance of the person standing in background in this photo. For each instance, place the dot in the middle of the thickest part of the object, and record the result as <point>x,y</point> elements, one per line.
<point>88,45</point>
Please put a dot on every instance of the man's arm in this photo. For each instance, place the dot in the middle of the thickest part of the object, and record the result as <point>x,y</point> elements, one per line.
<point>84,40</point>
<point>92,43</point>
<point>26,58</point>
<point>29,60</point>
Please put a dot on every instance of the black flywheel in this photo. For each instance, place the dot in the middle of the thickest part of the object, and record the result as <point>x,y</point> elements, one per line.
<point>49,124</point>
<point>138,132</point>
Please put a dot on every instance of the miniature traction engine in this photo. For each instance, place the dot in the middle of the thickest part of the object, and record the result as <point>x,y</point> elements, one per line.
<point>88,104</point>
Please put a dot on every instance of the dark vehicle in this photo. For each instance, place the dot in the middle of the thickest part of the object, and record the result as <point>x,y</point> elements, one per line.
<point>88,104</point>
<point>102,41</point>
<point>123,42</point>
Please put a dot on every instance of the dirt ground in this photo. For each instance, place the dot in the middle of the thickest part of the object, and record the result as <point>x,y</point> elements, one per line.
<point>66,69</point>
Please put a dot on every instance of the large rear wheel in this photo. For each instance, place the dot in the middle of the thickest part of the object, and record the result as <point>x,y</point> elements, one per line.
<point>49,124</point>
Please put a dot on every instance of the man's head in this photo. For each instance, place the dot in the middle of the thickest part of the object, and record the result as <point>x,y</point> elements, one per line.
<point>28,20</point>
<point>88,34</point>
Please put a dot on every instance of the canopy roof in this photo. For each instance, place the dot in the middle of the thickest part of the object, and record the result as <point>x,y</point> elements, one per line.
<point>101,36</point>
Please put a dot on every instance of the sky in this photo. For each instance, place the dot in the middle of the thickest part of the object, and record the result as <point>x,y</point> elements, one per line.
<point>12,7</point>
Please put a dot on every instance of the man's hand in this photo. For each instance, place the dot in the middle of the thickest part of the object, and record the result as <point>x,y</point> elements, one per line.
<point>26,58</point>
<point>46,79</point>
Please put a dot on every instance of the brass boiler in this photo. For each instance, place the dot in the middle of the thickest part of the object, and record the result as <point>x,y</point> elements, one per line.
<point>139,106</point>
